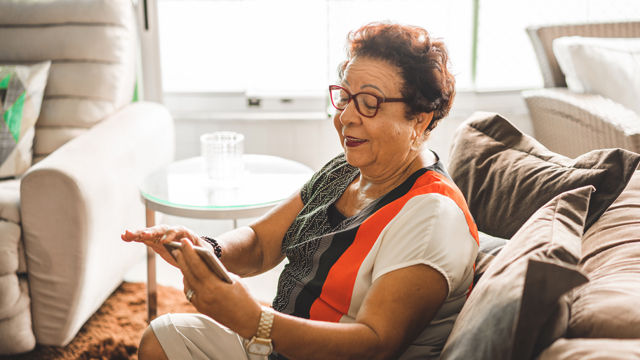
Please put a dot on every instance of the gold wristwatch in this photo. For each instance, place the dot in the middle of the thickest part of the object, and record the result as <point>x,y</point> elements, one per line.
<point>261,343</point>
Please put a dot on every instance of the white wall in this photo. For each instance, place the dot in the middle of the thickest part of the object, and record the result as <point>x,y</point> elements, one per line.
<point>313,142</point>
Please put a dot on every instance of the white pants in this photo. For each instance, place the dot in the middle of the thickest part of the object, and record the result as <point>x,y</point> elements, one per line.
<point>198,337</point>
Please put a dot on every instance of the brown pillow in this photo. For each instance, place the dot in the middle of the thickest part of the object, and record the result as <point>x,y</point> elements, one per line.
<point>592,349</point>
<point>506,175</point>
<point>609,306</point>
<point>518,307</point>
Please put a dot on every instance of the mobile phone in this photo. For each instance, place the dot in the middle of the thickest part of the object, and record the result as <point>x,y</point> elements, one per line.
<point>212,261</point>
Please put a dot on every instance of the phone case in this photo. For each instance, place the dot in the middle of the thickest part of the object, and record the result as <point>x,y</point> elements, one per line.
<point>207,256</point>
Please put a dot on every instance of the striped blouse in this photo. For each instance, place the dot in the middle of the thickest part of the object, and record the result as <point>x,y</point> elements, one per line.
<point>425,220</point>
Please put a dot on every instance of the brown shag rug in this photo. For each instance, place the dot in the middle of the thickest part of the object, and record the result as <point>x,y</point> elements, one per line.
<point>114,331</point>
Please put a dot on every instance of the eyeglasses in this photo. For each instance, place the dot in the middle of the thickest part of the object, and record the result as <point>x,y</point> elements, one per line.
<point>366,104</point>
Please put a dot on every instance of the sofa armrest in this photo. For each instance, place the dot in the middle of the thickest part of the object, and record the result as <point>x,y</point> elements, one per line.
<point>572,124</point>
<point>75,204</point>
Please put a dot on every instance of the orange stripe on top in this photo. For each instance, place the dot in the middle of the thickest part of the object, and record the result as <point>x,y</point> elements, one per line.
<point>337,290</point>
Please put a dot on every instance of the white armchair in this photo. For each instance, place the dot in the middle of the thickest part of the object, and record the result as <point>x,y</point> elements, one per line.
<point>60,223</point>
<point>571,123</point>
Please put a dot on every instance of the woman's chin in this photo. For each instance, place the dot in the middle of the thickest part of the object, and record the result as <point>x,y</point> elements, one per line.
<point>354,159</point>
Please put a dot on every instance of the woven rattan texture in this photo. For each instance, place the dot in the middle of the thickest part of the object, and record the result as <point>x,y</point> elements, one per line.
<point>572,124</point>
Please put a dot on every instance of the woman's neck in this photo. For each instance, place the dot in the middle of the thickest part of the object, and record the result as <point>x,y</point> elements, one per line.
<point>376,185</point>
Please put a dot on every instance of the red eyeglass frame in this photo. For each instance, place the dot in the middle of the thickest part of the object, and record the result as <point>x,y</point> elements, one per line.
<point>351,97</point>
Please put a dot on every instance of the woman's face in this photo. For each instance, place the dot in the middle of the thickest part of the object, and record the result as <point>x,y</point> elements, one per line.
<point>381,144</point>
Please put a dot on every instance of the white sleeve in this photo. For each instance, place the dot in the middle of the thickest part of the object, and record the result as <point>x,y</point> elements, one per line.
<point>430,229</point>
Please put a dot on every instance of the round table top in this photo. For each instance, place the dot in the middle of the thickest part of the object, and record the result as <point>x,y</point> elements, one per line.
<point>183,189</point>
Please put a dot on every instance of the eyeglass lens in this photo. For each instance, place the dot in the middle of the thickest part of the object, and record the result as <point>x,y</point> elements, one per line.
<point>366,104</point>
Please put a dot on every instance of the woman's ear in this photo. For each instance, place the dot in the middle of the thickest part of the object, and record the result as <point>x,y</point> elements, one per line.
<point>424,120</point>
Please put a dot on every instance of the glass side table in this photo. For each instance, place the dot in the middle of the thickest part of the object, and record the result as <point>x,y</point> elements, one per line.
<point>183,189</point>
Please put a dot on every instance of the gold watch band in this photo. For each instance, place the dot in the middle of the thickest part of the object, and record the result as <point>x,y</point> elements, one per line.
<point>266,323</point>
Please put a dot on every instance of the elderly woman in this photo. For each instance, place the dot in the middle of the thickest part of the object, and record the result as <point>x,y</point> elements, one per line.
<point>380,243</point>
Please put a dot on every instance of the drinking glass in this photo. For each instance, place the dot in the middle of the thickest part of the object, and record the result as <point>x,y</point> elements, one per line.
<point>222,153</point>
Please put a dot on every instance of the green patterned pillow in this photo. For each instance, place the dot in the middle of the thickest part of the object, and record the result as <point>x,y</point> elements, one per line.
<point>21,91</point>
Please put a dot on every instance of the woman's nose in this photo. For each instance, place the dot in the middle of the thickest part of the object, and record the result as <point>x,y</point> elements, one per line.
<point>349,115</point>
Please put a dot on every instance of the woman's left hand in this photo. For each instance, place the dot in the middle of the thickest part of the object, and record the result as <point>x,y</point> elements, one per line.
<point>229,304</point>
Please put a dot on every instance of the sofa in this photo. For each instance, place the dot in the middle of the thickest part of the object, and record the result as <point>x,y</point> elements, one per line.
<point>74,178</point>
<point>571,118</point>
<point>558,273</point>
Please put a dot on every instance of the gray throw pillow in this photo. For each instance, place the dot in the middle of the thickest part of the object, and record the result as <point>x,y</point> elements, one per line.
<point>490,247</point>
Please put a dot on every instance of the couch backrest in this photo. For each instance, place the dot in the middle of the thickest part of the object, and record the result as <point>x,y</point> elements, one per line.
<point>92,46</point>
<point>542,39</point>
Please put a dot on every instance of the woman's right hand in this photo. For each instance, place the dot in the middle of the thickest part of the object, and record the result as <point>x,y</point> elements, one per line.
<point>155,237</point>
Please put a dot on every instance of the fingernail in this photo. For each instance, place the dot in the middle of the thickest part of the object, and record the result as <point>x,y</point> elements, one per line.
<point>164,237</point>
<point>145,233</point>
<point>175,253</point>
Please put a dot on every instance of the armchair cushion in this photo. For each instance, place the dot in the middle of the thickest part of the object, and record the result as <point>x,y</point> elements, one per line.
<point>21,91</point>
<point>606,66</point>
<point>16,335</point>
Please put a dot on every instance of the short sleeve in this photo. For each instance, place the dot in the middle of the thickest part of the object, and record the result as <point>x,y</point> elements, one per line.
<point>430,229</point>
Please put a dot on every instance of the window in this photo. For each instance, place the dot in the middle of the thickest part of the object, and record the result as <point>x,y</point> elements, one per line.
<point>282,54</point>
<point>505,58</point>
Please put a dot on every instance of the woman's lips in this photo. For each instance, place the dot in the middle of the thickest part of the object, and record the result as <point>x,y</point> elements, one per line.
<point>353,142</point>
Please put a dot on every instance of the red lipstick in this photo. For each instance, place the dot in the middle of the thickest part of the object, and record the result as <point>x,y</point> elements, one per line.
<point>353,142</point>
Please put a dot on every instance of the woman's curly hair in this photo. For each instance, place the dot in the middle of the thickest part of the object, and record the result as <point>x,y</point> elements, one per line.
<point>421,60</point>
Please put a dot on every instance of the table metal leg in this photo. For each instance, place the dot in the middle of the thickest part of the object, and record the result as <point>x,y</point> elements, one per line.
<point>152,287</point>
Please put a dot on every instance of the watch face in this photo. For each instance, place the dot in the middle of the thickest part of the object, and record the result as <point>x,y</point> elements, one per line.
<point>259,349</point>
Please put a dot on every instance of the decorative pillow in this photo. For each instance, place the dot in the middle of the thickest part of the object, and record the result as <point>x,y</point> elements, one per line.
<point>21,91</point>
<point>609,306</point>
<point>518,307</point>
<point>506,176</point>
<point>490,247</point>
<point>606,66</point>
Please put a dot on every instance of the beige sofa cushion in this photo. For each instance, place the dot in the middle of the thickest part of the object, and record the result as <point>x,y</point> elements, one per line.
<point>10,200</point>
<point>11,251</point>
<point>592,349</point>
<point>609,306</point>
<point>92,48</point>
<point>16,335</point>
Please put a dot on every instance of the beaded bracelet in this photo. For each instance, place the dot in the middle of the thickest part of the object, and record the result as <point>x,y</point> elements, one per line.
<point>217,249</point>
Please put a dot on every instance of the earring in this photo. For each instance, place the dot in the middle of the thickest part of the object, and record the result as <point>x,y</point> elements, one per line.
<point>415,145</point>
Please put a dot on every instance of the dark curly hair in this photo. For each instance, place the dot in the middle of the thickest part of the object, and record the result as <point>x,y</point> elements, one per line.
<point>422,62</point>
